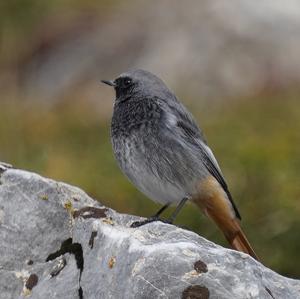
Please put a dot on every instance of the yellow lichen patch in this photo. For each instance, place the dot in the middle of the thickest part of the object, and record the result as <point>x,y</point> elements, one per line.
<point>69,207</point>
<point>189,275</point>
<point>26,292</point>
<point>111,262</point>
<point>44,197</point>
<point>108,221</point>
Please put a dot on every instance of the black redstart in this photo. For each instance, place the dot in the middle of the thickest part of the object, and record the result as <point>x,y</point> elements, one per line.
<point>162,151</point>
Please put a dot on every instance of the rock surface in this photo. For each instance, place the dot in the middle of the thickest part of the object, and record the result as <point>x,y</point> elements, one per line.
<point>56,242</point>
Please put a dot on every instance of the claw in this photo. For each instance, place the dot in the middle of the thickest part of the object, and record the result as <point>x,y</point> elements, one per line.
<point>143,222</point>
<point>149,220</point>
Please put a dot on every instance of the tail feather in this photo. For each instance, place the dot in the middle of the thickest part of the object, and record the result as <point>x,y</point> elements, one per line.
<point>234,234</point>
<point>241,243</point>
<point>214,202</point>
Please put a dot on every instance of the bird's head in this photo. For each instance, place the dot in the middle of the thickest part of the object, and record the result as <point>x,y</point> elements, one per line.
<point>138,83</point>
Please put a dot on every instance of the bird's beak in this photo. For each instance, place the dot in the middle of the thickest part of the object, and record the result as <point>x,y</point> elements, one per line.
<point>109,82</point>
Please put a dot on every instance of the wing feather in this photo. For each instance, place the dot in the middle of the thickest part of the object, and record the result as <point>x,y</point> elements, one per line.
<point>191,133</point>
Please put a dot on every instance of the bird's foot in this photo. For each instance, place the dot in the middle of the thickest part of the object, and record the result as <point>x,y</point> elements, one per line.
<point>148,220</point>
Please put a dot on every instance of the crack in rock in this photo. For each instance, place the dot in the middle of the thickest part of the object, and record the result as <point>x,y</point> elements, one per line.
<point>92,238</point>
<point>269,292</point>
<point>90,212</point>
<point>59,267</point>
<point>68,246</point>
<point>3,167</point>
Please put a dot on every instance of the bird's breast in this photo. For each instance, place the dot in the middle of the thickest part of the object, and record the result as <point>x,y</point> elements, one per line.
<point>146,168</point>
<point>166,171</point>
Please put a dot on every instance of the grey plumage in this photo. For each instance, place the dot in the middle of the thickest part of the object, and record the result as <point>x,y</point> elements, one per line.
<point>157,142</point>
<point>160,148</point>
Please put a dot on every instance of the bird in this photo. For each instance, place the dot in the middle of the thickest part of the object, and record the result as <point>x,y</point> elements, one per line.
<point>163,152</point>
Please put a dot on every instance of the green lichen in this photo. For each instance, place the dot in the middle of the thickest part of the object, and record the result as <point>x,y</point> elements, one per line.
<point>44,197</point>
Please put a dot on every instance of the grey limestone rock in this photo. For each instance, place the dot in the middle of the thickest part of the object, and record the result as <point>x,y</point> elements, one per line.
<point>57,242</point>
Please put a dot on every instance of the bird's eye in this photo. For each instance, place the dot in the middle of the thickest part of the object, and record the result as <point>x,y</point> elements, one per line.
<point>127,82</point>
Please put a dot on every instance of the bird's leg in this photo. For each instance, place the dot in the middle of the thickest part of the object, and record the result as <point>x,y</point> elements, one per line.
<point>177,210</point>
<point>156,216</point>
<point>160,211</point>
<point>153,218</point>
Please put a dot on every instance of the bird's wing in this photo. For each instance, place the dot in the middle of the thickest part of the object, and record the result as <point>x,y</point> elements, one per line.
<point>182,121</point>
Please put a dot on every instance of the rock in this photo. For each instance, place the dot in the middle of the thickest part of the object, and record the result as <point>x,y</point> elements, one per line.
<point>57,242</point>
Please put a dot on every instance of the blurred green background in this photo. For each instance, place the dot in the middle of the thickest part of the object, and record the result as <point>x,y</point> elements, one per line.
<point>55,115</point>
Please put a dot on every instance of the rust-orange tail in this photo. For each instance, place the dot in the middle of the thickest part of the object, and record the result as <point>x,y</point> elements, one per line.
<point>233,233</point>
<point>213,202</point>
